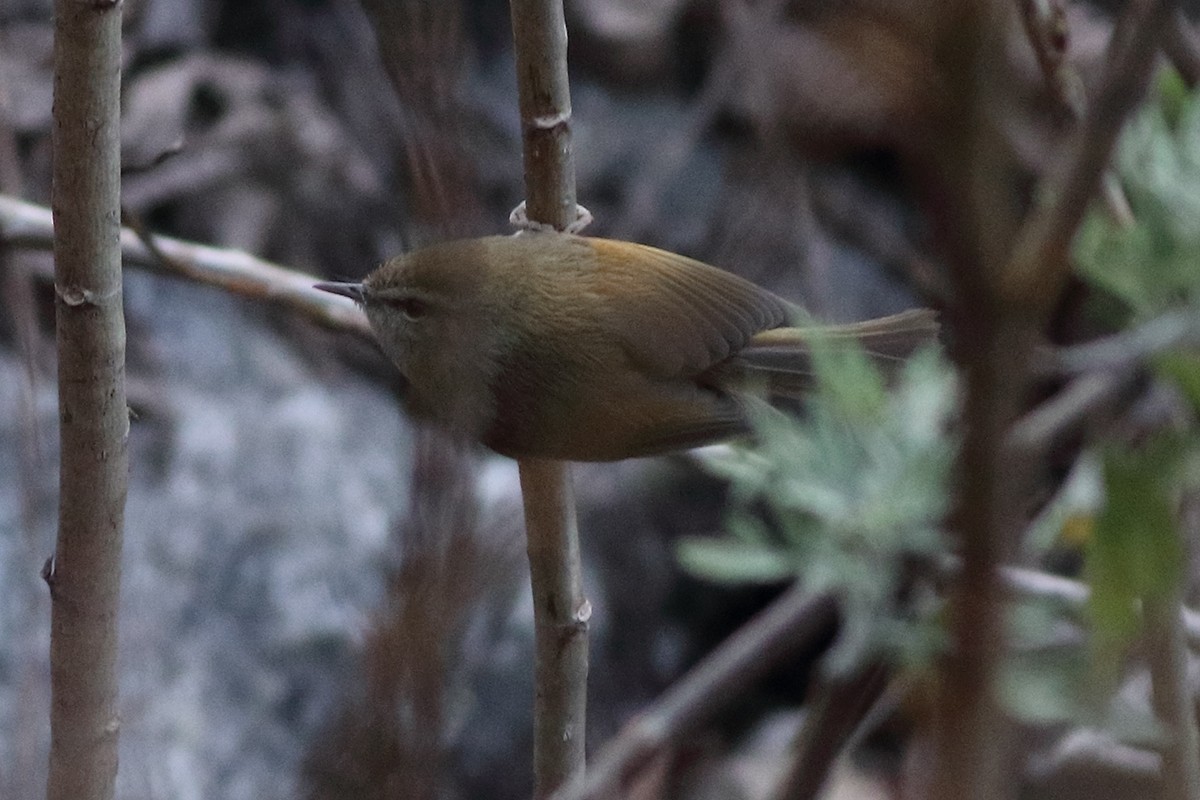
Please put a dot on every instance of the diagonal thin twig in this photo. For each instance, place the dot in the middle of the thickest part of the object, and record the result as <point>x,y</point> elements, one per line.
<point>1074,595</point>
<point>829,729</point>
<point>1046,425</point>
<point>796,618</point>
<point>1131,348</point>
<point>1101,371</point>
<point>1046,27</point>
<point>1039,263</point>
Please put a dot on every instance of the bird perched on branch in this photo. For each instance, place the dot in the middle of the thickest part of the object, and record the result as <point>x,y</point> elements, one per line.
<point>550,345</point>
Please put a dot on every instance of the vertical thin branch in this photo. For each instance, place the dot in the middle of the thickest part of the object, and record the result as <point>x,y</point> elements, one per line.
<point>561,614</point>
<point>560,609</point>
<point>1167,650</point>
<point>540,34</point>
<point>84,574</point>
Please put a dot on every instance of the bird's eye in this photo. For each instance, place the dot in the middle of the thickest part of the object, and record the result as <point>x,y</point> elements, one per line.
<point>411,307</point>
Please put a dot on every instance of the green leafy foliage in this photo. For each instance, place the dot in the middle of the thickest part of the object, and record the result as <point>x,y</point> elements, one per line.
<point>1182,368</point>
<point>1049,674</point>
<point>1154,264</point>
<point>1135,553</point>
<point>1144,273</point>
<point>852,492</point>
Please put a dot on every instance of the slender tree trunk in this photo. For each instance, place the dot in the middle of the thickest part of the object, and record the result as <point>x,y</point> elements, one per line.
<point>84,574</point>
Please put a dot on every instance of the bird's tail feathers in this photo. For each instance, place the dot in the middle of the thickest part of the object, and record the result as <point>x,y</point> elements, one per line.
<point>780,360</point>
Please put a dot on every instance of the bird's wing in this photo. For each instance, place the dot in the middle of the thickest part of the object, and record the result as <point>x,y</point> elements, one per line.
<point>677,317</point>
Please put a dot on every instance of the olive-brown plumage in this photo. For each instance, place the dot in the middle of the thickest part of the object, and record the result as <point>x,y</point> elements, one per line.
<point>557,346</point>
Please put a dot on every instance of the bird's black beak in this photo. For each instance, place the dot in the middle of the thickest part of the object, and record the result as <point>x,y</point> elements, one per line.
<point>352,290</point>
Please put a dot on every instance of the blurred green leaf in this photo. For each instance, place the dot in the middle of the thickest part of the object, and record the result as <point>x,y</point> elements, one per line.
<point>1183,369</point>
<point>734,561</point>
<point>1045,686</point>
<point>1135,552</point>
<point>1173,95</point>
<point>1043,677</point>
<point>1070,516</point>
<point>1155,264</point>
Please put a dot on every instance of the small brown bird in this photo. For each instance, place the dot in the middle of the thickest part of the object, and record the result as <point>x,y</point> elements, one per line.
<point>557,346</point>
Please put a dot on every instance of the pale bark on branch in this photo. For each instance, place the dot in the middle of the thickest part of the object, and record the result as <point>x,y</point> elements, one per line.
<point>28,225</point>
<point>84,574</point>
<point>560,609</point>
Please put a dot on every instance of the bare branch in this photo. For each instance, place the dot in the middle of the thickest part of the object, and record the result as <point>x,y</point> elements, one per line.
<point>1102,370</point>
<point>1039,262</point>
<point>829,729</point>
<point>1074,595</point>
<point>27,225</point>
<point>1046,425</point>
<point>540,33</point>
<point>85,577</point>
<point>1129,349</point>
<point>795,619</point>
<point>561,615</point>
<point>560,610</point>
<point>1174,703</point>
<point>1046,26</point>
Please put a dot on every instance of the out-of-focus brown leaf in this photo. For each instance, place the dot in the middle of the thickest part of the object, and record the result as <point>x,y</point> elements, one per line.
<point>839,77</point>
